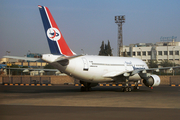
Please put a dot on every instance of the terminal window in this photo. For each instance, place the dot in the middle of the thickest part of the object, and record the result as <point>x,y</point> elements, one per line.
<point>139,53</point>
<point>134,53</point>
<point>176,52</point>
<point>170,52</point>
<point>149,52</point>
<point>144,53</point>
<point>159,52</point>
<point>165,52</point>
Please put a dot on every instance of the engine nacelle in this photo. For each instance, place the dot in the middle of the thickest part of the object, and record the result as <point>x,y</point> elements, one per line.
<point>152,80</point>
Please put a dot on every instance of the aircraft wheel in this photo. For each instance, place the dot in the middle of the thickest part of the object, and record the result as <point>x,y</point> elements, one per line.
<point>136,87</point>
<point>126,89</point>
<point>123,89</point>
<point>83,89</point>
<point>129,89</point>
<point>89,89</point>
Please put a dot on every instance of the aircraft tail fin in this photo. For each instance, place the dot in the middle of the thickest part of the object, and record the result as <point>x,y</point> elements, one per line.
<point>56,41</point>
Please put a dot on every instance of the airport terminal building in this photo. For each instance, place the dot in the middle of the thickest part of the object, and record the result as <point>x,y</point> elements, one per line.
<point>158,51</point>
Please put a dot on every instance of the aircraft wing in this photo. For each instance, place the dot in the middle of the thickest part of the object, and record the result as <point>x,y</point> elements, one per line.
<point>113,74</point>
<point>63,60</point>
<point>162,68</point>
<point>25,58</point>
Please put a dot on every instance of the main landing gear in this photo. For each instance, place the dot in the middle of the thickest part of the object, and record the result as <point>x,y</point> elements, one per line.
<point>87,86</point>
<point>85,89</point>
<point>127,88</point>
<point>136,87</point>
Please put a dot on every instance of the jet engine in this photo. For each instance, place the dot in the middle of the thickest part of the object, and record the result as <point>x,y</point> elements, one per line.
<point>152,80</point>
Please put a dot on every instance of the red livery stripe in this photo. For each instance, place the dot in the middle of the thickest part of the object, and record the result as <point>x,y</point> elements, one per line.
<point>62,45</point>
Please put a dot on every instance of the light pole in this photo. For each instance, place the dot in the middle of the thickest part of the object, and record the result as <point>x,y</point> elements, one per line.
<point>173,60</point>
<point>119,20</point>
<point>167,51</point>
<point>8,64</point>
<point>82,51</point>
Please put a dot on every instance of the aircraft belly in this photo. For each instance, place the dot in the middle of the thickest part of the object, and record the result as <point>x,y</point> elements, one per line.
<point>57,66</point>
<point>135,77</point>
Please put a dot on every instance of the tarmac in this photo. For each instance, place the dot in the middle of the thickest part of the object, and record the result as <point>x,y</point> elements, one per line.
<point>67,102</point>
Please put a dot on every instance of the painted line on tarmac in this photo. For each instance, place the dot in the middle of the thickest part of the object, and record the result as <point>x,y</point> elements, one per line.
<point>108,85</point>
<point>6,84</point>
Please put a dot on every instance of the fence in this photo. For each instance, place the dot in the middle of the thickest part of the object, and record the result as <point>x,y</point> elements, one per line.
<point>55,80</point>
<point>174,81</point>
<point>26,80</point>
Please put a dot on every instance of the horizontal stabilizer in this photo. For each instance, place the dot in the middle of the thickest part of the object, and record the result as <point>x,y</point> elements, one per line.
<point>33,69</point>
<point>25,58</point>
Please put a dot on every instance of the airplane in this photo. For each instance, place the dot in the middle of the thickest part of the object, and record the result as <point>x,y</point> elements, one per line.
<point>91,69</point>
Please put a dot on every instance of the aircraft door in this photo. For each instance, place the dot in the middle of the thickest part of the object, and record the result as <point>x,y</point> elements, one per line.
<point>85,62</point>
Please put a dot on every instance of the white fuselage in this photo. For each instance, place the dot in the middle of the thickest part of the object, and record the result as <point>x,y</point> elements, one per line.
<point>97,69</point>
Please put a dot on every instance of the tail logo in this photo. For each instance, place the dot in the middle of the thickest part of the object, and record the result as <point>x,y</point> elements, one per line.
<point>53,34</point>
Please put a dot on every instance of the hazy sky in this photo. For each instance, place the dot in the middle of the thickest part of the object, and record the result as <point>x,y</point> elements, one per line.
<point>86,23</point>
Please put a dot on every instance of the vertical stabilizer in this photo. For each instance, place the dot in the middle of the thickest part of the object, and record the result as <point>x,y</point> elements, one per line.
<point>56,42</point>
